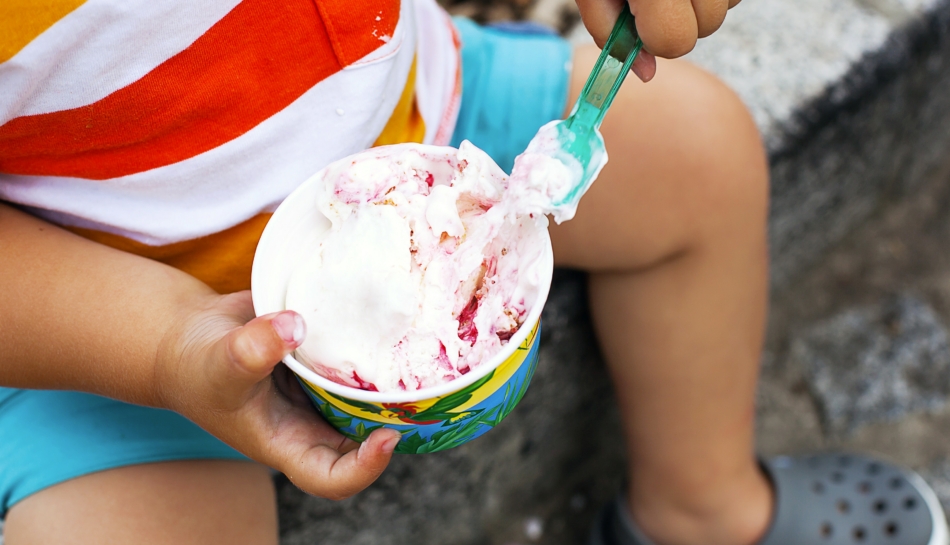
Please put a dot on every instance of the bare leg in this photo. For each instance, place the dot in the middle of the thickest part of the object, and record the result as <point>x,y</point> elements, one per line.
<point>674,236</point>
<point>180,503</point>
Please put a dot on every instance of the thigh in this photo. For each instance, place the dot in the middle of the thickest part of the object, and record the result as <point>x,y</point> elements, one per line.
<point>685,162</point>
<point>181,503</point>
<point>80,468</point>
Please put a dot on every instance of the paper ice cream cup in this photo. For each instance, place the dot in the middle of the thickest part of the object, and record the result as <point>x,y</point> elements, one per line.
<point>429,419</point>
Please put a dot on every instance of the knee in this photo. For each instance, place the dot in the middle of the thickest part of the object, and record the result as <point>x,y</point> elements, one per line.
<point>715,151</point>
<point>725,161</point>
<point>687,168</point>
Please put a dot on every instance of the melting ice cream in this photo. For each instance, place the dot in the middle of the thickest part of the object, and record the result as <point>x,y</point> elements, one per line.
<point>430,264</point>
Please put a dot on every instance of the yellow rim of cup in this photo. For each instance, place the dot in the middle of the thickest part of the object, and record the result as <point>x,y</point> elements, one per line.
<point>503,374</point>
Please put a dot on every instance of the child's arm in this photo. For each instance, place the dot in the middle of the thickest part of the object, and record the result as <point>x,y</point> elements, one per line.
<point>668,28</point>
<point>81,316</point>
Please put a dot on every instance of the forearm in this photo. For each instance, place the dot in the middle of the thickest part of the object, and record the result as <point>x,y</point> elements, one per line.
<point>78,315</point>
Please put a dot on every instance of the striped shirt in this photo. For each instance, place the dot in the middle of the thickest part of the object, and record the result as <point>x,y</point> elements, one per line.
<point>172,128</point>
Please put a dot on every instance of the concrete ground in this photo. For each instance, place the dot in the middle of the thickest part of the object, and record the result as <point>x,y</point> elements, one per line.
<point>902,251</point>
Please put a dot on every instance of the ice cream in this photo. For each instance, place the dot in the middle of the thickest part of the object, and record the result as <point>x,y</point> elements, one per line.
<point>428,268</point>
<point>544,175</point>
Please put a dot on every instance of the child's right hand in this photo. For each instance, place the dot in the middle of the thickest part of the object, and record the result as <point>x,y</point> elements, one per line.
<point>668,28</point>
<point>219,367</point>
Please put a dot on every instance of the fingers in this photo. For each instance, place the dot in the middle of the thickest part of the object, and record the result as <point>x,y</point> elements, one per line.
<point>668,28</point>
<point>247,354</point>
<point>258,346</point>
<point>296,441</point>
<point>644,66</point>
<point>324,471</point>
<point>221,369</point>
<point>709,15</point>
<point>599,17</point>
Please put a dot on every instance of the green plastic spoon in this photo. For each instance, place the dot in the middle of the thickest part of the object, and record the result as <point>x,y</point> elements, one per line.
<point>578,135</point>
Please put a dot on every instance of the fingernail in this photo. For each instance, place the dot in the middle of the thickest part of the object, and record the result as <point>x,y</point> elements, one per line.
<point>644,66</point>
<point>362,449</point>
<point>387,447</point>
<point>390,444</point>
<point>290,327</point>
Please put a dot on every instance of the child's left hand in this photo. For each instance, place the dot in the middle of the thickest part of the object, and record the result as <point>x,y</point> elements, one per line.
<point>220,368</point>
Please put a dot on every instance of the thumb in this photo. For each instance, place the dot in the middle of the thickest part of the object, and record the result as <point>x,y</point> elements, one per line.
<point>251,352</point>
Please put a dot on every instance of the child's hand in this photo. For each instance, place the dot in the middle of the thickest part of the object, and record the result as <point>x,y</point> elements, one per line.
<point>71,319</point>
<point>668,28</point>
<point>217,367</point>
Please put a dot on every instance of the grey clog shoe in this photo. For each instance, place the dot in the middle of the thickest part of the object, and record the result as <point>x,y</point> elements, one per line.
<point>826,499</point>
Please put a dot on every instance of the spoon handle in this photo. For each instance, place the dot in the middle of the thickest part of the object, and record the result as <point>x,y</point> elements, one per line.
<point>608,73</point>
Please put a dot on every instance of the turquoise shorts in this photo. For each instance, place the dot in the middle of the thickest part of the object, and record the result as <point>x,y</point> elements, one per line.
<point>515,79</point>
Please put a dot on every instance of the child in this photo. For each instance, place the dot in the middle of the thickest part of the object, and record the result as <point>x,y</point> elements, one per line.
<point>142,147</point>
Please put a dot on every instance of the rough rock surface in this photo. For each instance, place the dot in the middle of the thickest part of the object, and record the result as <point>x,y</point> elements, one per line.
<point>938,477</point>
<point>850,97</point>
<point>877,363</point>
<point>900,254</point>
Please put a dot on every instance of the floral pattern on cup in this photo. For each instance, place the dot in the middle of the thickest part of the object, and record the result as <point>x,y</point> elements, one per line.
<point>440,423</point>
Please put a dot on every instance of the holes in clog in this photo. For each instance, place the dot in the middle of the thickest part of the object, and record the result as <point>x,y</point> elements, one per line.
<point>843,507</point>
<point>874,468</point>
<point>837,477</point>
<point>880,506</point>
<point>818,487</point>
<point>896,483</point>
<point>910,503</point>
<point>826,530</point>
<point>865,487</point>
<point>859,533</point>
<point>890,529</point>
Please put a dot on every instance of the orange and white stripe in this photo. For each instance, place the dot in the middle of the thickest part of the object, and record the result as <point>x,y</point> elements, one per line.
<point>169,128</point>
